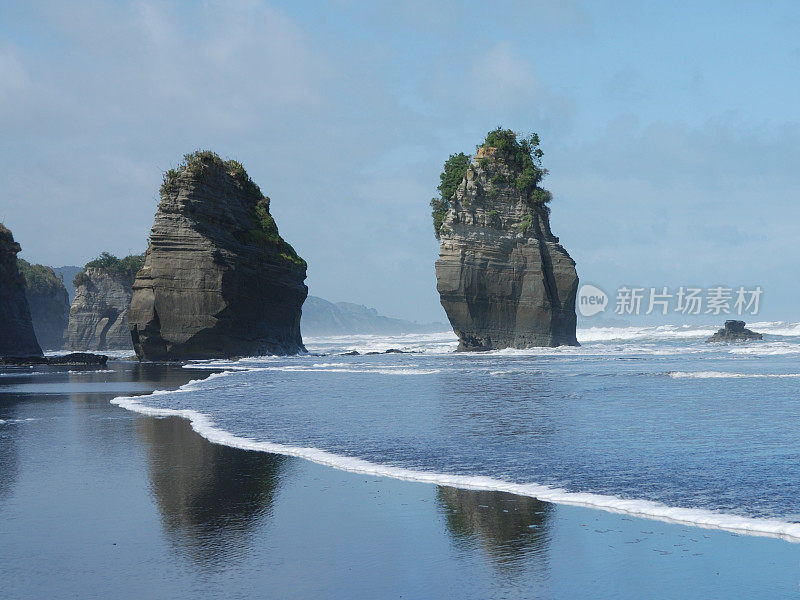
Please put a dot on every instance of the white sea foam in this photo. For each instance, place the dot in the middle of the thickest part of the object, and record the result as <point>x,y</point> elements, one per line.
<point>595,341</point>
<point>725,375</point>
<point>780,328</point>
<point>438,342</point>
<point>13,421</point>
<point>659,332</point>
<point>599,349</point>
<point>765,349</point>
<point>697,517</point>
<point>22,373</point>
<point>388,370</point>
<point>508,372</point>
<point>91,371</point>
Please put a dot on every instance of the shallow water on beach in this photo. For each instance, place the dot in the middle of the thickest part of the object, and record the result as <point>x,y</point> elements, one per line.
<point>649,420</point>
<point>99,502</point>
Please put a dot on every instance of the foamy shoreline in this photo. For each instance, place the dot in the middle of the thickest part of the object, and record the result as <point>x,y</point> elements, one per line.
<point>695,517</point>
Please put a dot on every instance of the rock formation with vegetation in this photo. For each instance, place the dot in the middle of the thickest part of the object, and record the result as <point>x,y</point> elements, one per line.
<point>17,337</point>
<point>98,315</point>
<point>503,278</point>
<point>218,279</point>
<point>48,301</point>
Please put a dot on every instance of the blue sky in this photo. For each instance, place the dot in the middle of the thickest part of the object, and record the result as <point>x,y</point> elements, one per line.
<point>671,130</point>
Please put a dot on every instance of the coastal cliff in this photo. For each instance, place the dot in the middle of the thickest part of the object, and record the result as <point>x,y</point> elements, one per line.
<point>48,302</point>
<point>218,279</point>
<point>17,337</point>
<point>98,315</point>
<point>503,278</point>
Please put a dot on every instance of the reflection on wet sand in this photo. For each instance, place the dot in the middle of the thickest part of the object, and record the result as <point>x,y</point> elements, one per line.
<point>92,388</point>
<point>507,526</point>
<point>210,496</point>
<point>8,458</point>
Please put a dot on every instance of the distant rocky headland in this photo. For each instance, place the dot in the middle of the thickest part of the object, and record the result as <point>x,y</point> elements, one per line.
<point>218,279</point>
<point>321,317</point>
<point>503,278</point>
<point>98,315</point>
<point>67,276</point>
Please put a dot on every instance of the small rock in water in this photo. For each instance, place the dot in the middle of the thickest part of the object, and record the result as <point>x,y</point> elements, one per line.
<point>351,353</point>
<point>734,331</point>
<point>79,358</point>
<point>74,358</point>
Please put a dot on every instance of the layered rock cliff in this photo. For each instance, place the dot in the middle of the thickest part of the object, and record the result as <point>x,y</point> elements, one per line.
<point>218,279</point>
<point>503,278</point>
<point>48,301</point>
<point>17,337</point>
<point>98,315</point>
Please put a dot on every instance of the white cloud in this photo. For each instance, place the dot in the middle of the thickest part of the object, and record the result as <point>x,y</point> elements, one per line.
<point>502,78</point>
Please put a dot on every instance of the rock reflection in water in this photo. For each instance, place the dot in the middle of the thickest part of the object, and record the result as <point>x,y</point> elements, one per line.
<point>211,497</point>
<point>8,457</point>
<point>507,526</point>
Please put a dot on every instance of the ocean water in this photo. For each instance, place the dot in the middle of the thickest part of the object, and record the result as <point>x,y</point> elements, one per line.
<point>645,421</point>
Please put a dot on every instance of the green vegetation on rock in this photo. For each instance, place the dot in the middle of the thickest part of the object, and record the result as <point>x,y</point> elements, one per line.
<point>5,234</point>
<point>508,160</point>
<point>521,153</point>
<point>264,232</point>
<point>526,223</point>
<point>455,168</point>
<point>195,163</point>
<point>124,267</point>
<point>38,278</point>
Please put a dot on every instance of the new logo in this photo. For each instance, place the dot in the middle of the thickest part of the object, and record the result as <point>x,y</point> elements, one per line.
<point>591,300</point>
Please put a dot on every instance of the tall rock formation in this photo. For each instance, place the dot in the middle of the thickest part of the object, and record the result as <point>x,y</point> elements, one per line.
<point>503,278</point>
<point>98,315</point>
<point>48,301</point>
<point>17,338</point>
<point>218,279</point>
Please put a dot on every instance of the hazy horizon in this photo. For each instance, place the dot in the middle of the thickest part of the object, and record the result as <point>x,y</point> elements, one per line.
<point>670,131</point>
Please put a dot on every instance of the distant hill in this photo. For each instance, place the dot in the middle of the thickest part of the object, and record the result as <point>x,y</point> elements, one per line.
<point>321,317</point>
<point>67,274</point>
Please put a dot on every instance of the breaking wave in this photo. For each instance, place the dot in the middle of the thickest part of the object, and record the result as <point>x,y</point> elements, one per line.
<point>725,375</point>
<point>698,517</point>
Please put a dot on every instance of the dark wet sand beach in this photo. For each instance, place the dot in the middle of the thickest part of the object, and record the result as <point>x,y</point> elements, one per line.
<point>98,502</point>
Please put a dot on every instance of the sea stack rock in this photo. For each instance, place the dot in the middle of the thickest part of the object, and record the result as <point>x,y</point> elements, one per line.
<point>17,337</point>
<point>98,315</point>
<point>503,278</point>
<point>218,280</point>
<point>48,301</point>
<point>734,331</point>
